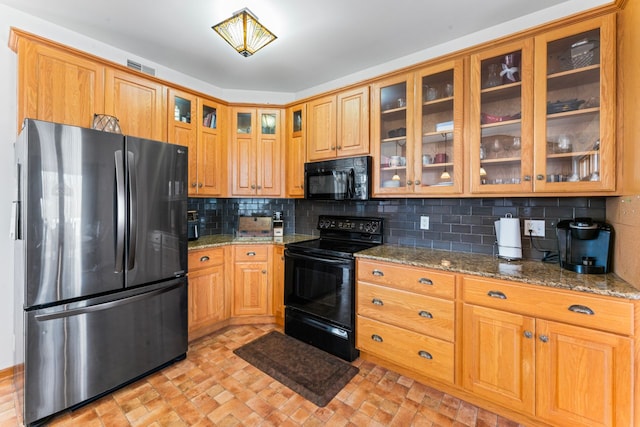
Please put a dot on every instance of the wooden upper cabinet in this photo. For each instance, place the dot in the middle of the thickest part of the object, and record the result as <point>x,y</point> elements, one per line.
<point>295,152</point>
<point>212,151</point>
<point>338,125</point>
<point>137,102</point>
<point>57,86</point>
<point>256,152</point>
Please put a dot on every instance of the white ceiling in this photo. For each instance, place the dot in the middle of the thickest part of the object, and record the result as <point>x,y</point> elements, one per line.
<point>318,41</point>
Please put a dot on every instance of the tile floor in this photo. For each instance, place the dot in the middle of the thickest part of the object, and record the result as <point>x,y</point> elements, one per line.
<point>214,387</point>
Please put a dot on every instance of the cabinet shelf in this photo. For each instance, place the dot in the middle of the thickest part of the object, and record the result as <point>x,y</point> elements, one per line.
<point>501,160</point>
<point>502,92</point>
<point>572,113</point>
<point>437,165</point>
<point>584,75</point>
<point>501,124</point>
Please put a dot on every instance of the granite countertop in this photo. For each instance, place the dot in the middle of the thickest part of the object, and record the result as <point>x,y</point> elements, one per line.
<point>529,272</point>
<point>228,239</point>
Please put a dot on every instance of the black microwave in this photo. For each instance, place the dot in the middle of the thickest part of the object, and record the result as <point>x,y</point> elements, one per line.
<point>339,179</point>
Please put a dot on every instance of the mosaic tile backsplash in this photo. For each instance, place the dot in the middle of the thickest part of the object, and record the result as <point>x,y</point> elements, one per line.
<point>458,225</point>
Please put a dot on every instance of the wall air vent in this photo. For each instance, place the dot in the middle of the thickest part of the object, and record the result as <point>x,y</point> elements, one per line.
<point>140,67</point>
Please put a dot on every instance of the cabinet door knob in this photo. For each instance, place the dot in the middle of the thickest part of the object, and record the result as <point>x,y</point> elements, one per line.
<point>377,273</point>
<point>376,338</point>
<point>409,183</point>
<point>527,177</point>
<point>581,309</point>
<point>377,301</point>
<point>259,187</point>
<point>199,185</point>
<point>204,258</point>
<point>253,186</point>
<point>539,177</point>
<point>194,184</point>
<point>496,294</point>
<point>425,354</point>
<point>251,254</point>
<point>417,182</point>
<point>339,147</point>
<point>544,338</point>
<point>528,334</point>
<point>333,147</point>
<point>425,314</point>
<point>425,281</point>
<point>264,271</point>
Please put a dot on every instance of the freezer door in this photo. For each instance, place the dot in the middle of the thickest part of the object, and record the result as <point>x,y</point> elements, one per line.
<point>67,246</point>
<point>157,216</point>
<point>78,351</point>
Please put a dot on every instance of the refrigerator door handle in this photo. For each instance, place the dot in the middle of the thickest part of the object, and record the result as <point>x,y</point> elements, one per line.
<point>103,306</point>
<point>133,209</point>
<point>120,210</point>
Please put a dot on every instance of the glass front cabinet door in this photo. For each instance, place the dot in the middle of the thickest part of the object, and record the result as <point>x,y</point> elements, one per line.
<point>501,119</point>
<point>575,107</point>
<point>417,132</point>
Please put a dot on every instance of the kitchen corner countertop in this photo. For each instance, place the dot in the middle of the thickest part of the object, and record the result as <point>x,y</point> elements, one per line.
<point>228,239</point>
<point>529,272</point>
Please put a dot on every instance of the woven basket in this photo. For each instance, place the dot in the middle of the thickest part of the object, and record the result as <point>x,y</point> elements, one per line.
<point>106,123</point>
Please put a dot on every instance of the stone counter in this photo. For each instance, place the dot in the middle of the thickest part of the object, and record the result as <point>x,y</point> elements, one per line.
<point>529,272</point>
<point>228,239</point>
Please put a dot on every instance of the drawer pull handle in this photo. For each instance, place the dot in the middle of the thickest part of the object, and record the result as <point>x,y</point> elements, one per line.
<point>377,273</point>
<point>251,254</point>
<point>377,301</point>
<point>425,281</point>
<point>425,314</point>
<point>496,294</point>
<point>528,334</point>
<point>376,338</point>
<point>581,309</point>
<point>204,258</point>
<point>425,354</point>
<point>544,338</point>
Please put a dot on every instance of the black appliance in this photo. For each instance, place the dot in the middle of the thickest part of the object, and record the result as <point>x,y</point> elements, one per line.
<point>584,245</point>
<point>100,263</point>
<point>339,179</point>
<point>319,284</point>
<point>193,225</point>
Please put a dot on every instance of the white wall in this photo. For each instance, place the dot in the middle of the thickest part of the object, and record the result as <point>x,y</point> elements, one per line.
<point>8,115</point>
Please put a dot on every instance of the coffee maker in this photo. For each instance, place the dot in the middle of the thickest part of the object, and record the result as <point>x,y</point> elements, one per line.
<point>584,245</point>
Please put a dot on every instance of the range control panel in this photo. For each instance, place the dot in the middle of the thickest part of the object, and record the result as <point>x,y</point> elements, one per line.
<point>350,224</point>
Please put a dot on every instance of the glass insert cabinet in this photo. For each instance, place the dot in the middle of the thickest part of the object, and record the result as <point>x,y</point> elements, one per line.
<point>417,131</point>
<point>542,113</point>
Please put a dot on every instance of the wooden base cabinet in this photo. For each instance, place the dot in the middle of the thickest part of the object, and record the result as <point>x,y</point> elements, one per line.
<point>278,284</point>
<point>251,282</point>
<point>407,317</point>
<point>207,296</point>
<point>517,354</point>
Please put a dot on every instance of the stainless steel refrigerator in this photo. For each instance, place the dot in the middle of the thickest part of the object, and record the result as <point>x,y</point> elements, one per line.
<point>101,259</point>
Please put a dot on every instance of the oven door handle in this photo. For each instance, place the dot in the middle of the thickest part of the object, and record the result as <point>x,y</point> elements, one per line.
<point>322,258</point>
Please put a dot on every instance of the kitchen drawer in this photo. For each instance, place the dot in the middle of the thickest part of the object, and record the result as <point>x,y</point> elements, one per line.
<point>251,253</point>
<point>200,259</point>
<point>596,312</point>
<point>423,354</point>
<point>413,279</point>
<point>419,313</point>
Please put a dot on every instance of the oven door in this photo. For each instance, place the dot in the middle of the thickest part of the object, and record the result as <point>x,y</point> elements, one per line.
<point>322,286</point>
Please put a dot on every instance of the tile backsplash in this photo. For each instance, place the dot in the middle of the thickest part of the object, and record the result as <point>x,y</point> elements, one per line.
<point>459,225</point>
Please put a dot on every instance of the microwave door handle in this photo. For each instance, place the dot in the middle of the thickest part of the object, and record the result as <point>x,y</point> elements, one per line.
<point>351,184</point>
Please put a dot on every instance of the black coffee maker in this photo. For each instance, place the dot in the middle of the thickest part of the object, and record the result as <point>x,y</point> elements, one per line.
<point>584,245</point>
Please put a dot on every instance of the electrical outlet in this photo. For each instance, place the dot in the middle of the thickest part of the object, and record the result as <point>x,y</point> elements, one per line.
<point>424,223</point>
<point>536,226</point>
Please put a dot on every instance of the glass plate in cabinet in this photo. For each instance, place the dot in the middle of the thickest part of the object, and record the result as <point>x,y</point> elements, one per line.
<point>577,125</point>
<point>501,132</point>
<point>438,151</point>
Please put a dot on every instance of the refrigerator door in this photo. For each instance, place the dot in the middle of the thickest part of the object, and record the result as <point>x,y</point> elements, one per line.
<point>67,245</point>
<point>157,216</point>
<point>81,350</point>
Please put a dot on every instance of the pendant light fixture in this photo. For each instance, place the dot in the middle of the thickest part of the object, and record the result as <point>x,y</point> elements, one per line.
<point>244,33</point>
